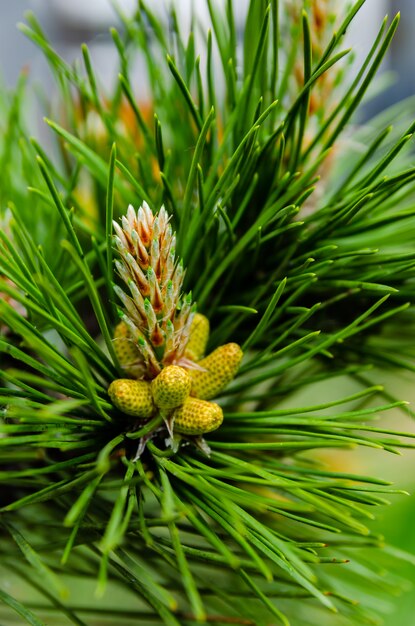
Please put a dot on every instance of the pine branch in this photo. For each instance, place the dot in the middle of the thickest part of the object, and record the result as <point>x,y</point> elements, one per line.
<point>297,244</point>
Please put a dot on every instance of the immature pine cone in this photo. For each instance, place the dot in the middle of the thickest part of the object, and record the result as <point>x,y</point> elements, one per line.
<point>161,341</point>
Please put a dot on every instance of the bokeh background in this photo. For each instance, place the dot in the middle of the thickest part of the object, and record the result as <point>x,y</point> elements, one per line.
<point>69,23</point>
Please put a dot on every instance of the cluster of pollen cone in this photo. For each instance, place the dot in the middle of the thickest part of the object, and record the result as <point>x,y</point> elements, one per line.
<point>161,341</point>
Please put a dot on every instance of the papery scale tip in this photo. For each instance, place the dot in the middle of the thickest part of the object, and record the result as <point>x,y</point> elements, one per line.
<point>154,277</point>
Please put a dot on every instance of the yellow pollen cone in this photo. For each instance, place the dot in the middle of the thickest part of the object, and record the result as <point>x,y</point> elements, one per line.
<point>198,338</point>
<point>132,397</point>
<point>171,387</point>
<point>127,353</point>
<point>196,417</point>
<point>221,366</point>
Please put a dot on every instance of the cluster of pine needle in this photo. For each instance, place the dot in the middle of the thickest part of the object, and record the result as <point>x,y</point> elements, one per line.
<point>295,224</point>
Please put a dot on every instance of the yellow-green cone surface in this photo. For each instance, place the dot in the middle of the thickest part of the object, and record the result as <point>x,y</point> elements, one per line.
<point>221,366</point>
<point>171,387</point>
<point>196,417</point>
<point>198,338</point>
<point>127,353</point>
<point>132,397</point>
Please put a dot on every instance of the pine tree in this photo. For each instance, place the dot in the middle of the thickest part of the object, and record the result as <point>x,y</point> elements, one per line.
<point>199,295</point>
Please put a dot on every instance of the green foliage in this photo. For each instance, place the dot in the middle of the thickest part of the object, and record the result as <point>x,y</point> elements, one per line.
<point>297,240</point>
